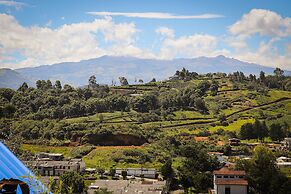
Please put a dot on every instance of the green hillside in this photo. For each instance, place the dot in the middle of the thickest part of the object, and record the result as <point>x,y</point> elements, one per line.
<point>188,105</point>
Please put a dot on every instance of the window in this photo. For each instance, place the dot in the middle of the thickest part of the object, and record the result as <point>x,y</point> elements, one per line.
<point>231,177</point>
<point>219,176</point>
<point>227,190</point>
<point>225,176</point>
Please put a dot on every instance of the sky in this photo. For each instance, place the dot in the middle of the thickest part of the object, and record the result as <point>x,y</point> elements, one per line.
<point>43,32</point>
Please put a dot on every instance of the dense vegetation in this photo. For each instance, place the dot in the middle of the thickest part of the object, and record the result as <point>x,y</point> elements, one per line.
<point>161,119</point>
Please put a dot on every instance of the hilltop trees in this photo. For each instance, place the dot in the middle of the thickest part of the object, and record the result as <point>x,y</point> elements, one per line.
<point>92,82</point>
<point>123,81</point>
<point>185,74</point>
<point>58,85</point>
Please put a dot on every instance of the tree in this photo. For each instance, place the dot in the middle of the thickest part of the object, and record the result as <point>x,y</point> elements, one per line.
<point>262,77</point>
<point>92,81</point>
<point>153,80</point>
<point>112,172</point>
<point>72,181</point>
<point>123,81</point>
<point>9,110</point>
<point>48,84</point>
<point>195,169</point>
<point>38,84</point>
<point>260,129</point>
<point>7,93</point>
<point>247,131</point>
<point>167,170</point>
<point>58,85</point>
<point>263,175</point>
<point>124,174</point>
<point>140,81</point>
<point>227,150</point>
<point>278,72</point>
<point>277,132</point>
<point>23,87</point>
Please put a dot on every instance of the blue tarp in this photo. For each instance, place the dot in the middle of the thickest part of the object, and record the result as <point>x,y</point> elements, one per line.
<point>12,167</point>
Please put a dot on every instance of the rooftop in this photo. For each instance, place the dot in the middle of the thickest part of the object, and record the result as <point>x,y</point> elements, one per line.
<point>226,171</point>
<point>231,182</point>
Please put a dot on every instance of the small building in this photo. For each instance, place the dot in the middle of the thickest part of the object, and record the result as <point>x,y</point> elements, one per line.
<point>286,144</point>
<point>146,172</point>
<point>50,156</point>
<point>220,156</point>
<point>284,162</point>
<point>56,168</point>
<point>234,142</point>
<point>228,181</point>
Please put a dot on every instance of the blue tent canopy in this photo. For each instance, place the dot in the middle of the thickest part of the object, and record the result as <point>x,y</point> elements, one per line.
<point>12,168</point>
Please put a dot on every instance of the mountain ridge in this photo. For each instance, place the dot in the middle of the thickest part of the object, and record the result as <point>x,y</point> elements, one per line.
<point>107,68</point>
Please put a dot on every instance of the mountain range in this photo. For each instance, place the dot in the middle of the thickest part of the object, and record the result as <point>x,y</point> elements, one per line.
<point>109,68</point>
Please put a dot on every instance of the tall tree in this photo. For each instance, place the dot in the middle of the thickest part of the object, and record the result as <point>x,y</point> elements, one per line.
<point>58,85</point>
<point>262,77</point>
<point>123,81</point>
<point>278,72</point>
<point>92,81</point>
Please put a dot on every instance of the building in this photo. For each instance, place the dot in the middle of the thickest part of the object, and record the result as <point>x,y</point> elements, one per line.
<point>228,181</point>
<point>234,142</point>
<point>146,172</point>
<point>56,168</point>
<point>219,156</point>
<point>50,156</point>
<point>286,144</point>
<point>284,162</point>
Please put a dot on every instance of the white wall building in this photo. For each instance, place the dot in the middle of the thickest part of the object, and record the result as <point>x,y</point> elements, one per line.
<point>228,181</point>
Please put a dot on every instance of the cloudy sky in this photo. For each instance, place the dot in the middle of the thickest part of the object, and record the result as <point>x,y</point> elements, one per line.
<point>34,33</point>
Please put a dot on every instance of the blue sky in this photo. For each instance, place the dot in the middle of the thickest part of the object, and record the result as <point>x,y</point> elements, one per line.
<point>44,32</point>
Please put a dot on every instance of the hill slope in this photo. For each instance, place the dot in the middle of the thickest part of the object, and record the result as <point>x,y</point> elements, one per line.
<point>11,79</point>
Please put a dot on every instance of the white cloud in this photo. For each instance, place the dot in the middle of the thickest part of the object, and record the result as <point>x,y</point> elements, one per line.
<point>266,54</point>
<point>189,46</point>
<point>74,42</point>
<point>262,21</point>
<point>155,15</point>
<point>164,31</point>
<point>11,3</point>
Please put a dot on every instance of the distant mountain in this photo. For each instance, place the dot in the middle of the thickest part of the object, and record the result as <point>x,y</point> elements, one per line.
<point>11,79</point>
<point>108,68</point>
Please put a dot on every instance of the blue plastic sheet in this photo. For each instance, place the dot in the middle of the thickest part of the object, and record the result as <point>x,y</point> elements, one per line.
<point>12,167</point>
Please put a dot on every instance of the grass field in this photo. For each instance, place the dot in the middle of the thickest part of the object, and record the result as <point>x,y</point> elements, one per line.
<point>104,157</point>
<point>235,126</point>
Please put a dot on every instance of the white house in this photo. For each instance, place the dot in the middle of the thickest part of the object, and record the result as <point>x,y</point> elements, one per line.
<point>146,172</point>
<point>228,181</point>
